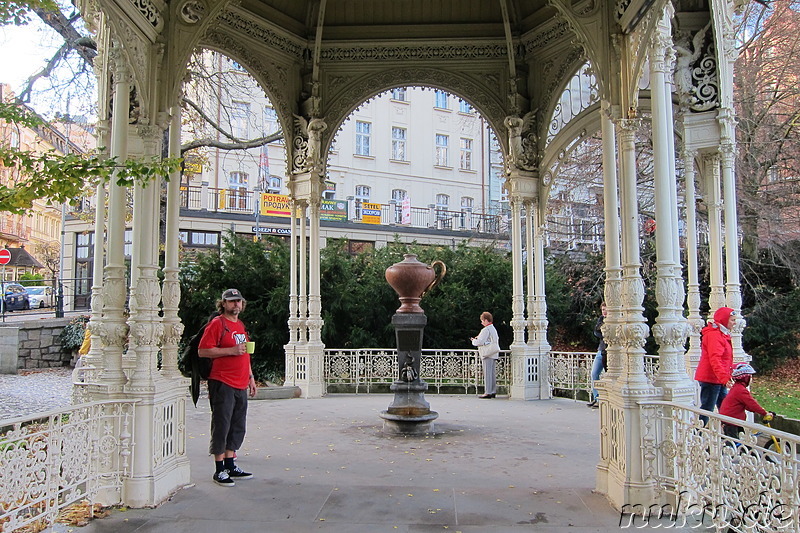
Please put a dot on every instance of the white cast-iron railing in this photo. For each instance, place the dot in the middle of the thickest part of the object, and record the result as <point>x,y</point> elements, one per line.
<point>53,459</point>
<point>366,370</point>
<point>371,369</point>
<point>748,484</point>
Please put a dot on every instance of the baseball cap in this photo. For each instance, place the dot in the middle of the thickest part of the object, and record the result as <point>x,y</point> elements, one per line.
<point>232,294</point>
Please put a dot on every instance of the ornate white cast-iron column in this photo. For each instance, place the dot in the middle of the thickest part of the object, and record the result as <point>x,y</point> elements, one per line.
<point>518,294</point>
<point>160,464</point>
<point>625,481</point>
<point>94,358</point>
<point>294,321</point>
<point>114,329</point>
<point>539,321</point>
<point>733,292</point>
<point>713,198</point>
<point>693,293</point>
<point>316,349</point>
<point>171,288</point>
<point>612,292</point>
<point>146,327</point>
<point>670,329</point>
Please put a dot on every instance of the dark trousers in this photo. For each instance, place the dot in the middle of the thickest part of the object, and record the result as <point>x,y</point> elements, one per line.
<point>228,417</point>
<point>711,395</point>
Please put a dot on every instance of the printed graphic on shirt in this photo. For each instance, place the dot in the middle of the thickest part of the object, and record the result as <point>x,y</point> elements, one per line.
<point>239,338</point>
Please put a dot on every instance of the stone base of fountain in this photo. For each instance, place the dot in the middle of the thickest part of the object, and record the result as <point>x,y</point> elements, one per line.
<point>409,413</point>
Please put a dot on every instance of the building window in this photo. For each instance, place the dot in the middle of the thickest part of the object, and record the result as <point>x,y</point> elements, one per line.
<point>399,94</point>
<point>14,138</point>
<point>398,195</point>
<point>274,186</point>
<point>467,204</point>
<point>363,134</point>
<point>270,121</point>
<point>441,150</point>
<point>466,154</point>
<point>442,205</point>
<point>362,195</point>
<point>440,100</point>
<point>398,144</point>
<point>200,239</point>
<point>237,178</point>
<point>464,107</point>
<point>358,247</point>
<point>240,112</point>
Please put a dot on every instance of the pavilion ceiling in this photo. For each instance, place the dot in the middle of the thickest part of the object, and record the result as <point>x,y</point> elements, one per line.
<point>358,20</point>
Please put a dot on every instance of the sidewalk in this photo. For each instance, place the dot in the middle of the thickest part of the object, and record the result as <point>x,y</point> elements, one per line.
<point>324,465</point>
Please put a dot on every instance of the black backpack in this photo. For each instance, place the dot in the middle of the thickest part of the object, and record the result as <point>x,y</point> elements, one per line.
<point>198,367</point>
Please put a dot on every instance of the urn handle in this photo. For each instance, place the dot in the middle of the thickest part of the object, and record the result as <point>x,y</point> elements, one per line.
<point>438,277</point>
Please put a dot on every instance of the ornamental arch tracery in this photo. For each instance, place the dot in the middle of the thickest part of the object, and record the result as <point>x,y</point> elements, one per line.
<point>347,95</point>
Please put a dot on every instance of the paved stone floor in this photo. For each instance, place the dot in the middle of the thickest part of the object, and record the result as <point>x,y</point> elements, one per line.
<point>325,465</point>
<point>34,391</point>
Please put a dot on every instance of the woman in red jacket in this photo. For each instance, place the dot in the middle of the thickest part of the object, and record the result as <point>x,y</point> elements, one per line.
<point>716,358</point>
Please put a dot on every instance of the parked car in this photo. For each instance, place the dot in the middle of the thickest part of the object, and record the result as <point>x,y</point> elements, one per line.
<point>15,297</point>
<point>41,296</point>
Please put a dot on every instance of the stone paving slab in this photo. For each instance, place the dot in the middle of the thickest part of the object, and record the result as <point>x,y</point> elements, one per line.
<point>324,465</point>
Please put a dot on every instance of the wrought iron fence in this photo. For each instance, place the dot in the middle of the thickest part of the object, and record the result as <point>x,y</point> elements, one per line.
<point>54,459</point>
<point>747,484</point>
<point>368,370</point>
<point>374,369</point>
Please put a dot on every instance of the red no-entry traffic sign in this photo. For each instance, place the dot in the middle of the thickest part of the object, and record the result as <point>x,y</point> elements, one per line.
<point>5,256</point>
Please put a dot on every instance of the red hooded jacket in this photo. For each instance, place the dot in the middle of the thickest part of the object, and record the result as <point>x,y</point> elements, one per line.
<point>716,351</point>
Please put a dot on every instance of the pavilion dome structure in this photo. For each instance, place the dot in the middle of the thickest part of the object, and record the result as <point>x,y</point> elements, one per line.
<point>654,63</point>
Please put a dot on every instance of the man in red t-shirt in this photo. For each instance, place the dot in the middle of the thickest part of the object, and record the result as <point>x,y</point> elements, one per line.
<point>231,378</point>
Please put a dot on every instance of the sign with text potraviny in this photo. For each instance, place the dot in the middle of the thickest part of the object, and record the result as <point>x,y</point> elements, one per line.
<point>275,205</point>
<point>370,213</point>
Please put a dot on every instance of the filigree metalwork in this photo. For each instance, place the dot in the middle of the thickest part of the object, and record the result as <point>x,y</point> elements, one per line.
<point>54,459</point>
<point>579,94</point>
<point>368,370</point>
<point>742,484</point>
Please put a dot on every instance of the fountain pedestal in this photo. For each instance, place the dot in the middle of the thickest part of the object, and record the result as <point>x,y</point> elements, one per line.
<point>409,413</point>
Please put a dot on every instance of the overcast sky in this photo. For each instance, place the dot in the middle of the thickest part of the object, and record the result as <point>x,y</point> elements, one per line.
<point>25,51</point>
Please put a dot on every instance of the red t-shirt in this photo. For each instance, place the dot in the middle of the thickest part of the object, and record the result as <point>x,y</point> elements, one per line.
<point>233,370</point>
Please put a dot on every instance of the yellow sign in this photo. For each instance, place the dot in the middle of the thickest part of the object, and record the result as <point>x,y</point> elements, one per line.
<point>371,213</point>
<point>222,197</point>
<point>275,205</point>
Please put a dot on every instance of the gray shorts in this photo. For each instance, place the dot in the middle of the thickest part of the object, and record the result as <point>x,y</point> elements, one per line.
<point>228,417</point>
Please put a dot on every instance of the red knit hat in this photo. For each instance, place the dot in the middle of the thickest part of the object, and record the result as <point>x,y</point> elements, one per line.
<point>722,315</point>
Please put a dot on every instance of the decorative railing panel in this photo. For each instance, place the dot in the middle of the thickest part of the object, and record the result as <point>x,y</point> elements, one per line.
<point>749,484</point>
<point>572,371</point>
<point>365,370</point>
<point>54,459</point>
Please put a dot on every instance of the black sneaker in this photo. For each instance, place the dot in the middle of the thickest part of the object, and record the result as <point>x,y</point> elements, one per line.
<point>238,473</point>
<point>222,479</point>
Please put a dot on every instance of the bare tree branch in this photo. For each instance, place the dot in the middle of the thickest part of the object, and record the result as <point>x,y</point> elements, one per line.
<point>238,145</point>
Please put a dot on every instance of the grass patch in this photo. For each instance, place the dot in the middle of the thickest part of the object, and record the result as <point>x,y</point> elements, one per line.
<point>778,390</point>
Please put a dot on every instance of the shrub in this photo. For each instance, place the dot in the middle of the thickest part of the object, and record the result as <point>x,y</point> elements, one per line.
<point>71,336</point>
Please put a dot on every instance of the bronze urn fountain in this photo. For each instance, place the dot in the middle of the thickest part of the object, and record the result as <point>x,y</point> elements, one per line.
<point>410,413</point>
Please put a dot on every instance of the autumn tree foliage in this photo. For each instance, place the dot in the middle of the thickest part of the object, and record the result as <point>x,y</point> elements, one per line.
<point>767,99</point>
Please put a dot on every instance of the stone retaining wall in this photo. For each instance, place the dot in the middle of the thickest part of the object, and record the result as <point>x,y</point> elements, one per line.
<point>32,344</point>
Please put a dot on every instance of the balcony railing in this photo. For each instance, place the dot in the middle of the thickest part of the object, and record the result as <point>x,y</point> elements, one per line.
<point>244,202</point>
